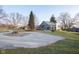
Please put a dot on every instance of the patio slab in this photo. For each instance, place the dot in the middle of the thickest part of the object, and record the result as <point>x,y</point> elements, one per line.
<point>32,40</point>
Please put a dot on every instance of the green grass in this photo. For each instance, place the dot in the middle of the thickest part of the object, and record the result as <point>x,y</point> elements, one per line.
<point>68,46</point>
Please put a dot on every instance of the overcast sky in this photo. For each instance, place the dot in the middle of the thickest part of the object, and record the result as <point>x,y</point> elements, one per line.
<point>42,12</point>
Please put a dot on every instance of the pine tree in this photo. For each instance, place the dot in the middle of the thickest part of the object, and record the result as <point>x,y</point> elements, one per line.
<point>31,23</point>
<point>52,19</point>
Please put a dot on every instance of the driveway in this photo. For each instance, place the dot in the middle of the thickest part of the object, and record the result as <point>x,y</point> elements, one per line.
<point>29,40</point>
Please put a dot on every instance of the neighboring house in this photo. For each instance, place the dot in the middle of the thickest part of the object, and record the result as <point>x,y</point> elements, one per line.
<point>75,28</point>
<point>46,25</point>
<point>58,25</point>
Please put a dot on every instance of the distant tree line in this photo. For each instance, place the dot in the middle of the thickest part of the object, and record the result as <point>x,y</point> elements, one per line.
<point>66,22</point>
<point>15,18</point>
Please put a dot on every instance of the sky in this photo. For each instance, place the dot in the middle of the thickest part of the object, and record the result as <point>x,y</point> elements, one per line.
<point>42,12</point>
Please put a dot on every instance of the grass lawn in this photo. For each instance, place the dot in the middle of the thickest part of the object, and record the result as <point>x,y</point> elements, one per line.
<point>67,46</point>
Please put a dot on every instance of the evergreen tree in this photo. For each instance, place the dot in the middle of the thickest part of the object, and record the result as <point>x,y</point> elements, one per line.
<point>31,23</point>
<point>52,19</point>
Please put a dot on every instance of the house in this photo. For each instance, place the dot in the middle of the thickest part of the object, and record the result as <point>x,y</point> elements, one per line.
<point>46,25</point>
<point>75,29</point>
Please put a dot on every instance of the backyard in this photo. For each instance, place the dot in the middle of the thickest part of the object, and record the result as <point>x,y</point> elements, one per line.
<point>69,45</point>
<point>26,31</point>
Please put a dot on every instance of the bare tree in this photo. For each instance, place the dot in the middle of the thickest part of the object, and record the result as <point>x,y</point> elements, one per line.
<point>24,20</point>
<point>2,15</point>
<point>66,21</point>
<point>15,19</point>
<point>76,17</point>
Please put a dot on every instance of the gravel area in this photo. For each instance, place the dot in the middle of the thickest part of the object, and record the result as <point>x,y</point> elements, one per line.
<point>31,40</point>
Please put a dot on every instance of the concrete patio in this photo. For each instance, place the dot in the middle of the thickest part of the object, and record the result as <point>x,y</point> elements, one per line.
<point>29,40</point>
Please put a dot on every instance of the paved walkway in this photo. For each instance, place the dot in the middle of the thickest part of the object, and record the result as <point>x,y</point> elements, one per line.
<point>32,40</point>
